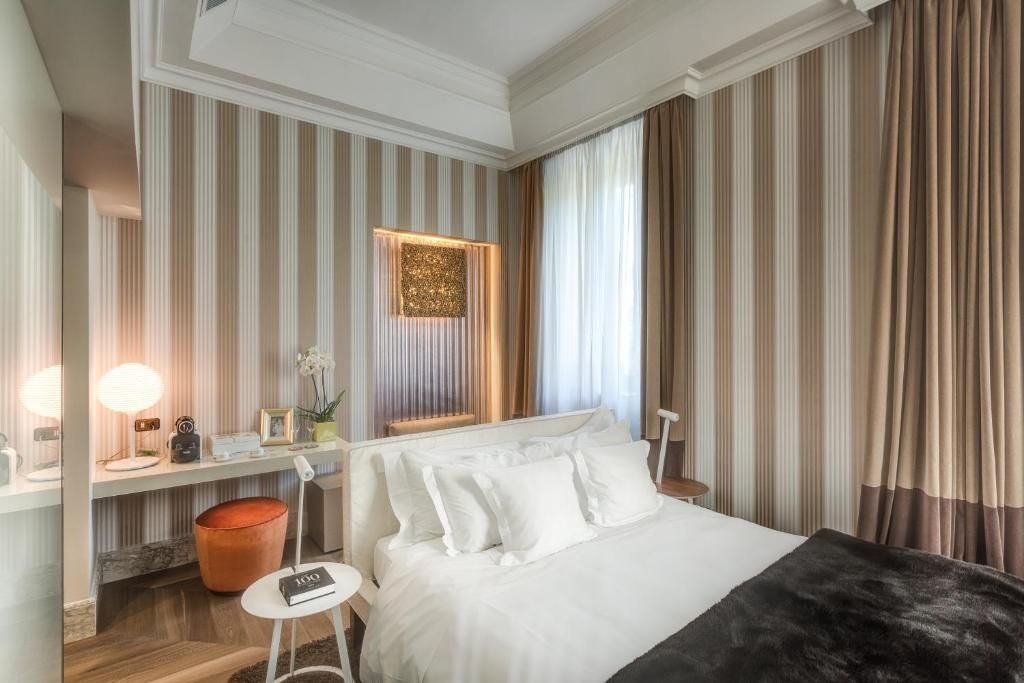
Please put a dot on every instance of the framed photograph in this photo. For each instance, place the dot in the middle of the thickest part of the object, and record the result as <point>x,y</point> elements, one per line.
<point>276,426</point>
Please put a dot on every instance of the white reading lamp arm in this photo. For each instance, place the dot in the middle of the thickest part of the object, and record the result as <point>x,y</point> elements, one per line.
<point>669,417</point>
<point>306,473</point>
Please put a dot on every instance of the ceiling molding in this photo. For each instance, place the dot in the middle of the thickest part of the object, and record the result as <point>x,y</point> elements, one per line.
<point>690,48</point>
<point>301,59</point>
<point>311,25</point>
<point>820,26</point>
<point>158,27</point>
<point>596,42</point>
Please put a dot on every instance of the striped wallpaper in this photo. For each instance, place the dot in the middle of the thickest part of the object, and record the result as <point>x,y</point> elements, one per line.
<point>30,341</point>
<point>30,300</point>
<point>256,241</point>
<point>786,181</point>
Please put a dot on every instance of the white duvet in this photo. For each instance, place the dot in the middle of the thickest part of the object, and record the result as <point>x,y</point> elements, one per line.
<point>579,615</point>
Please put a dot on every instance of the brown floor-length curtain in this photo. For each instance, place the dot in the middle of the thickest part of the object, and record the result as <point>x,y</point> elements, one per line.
<point>668,248</point>
<point>527,329</point>
<point>944,470</point>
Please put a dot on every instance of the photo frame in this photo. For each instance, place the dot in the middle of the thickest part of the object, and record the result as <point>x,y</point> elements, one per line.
<point>276,426</point>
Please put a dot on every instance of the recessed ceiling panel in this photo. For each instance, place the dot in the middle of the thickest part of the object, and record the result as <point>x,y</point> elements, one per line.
<point>502,36</point>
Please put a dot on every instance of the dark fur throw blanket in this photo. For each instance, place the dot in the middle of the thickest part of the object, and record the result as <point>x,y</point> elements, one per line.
<point>841,609</point>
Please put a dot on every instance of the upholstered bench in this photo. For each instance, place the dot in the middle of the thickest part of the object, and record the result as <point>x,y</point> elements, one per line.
<point>239,541</point>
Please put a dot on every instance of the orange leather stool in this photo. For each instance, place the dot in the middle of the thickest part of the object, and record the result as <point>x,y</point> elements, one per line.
<point>240,541</point>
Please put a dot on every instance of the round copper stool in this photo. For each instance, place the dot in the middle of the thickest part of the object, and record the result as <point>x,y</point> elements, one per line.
<point>240,541</point>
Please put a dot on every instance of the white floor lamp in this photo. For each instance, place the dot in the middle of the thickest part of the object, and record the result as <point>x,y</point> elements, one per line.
<point>130,389</point>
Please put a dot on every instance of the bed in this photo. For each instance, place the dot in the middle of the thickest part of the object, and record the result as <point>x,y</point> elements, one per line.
<point>684,594</point>
<point>588,605</point>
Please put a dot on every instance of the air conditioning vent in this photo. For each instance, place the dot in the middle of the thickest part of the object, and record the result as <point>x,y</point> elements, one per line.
<point>212,4</point>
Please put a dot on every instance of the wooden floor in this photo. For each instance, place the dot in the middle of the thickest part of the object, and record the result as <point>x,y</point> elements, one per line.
<point>167,627</point>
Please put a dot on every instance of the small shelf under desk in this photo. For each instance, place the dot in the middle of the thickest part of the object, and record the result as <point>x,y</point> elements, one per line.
<point>166,474</point>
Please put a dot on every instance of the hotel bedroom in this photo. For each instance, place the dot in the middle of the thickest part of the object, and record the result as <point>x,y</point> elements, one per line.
<point>628,340</point>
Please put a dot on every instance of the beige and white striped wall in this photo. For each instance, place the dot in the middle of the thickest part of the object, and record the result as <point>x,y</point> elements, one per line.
<point>786,176</point>
<point>30,300</point>
<point>30,341</point>
<point>256,241</point>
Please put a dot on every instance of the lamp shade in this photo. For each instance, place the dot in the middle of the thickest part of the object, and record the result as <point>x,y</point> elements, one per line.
<point>130,388</point>
<point>41,393</point>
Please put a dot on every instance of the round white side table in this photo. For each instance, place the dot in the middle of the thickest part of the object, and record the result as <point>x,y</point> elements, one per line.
<point>263,599</point>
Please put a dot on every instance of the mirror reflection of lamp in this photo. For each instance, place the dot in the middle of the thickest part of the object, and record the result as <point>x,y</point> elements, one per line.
<point>130,389</point>
<point>41,394</point>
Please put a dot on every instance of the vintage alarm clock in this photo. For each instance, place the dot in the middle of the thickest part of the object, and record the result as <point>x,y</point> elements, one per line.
<point>185,444</point>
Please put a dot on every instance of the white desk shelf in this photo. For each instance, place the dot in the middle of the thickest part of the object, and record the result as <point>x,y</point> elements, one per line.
<point>167,474</point>
<point>22,494</point>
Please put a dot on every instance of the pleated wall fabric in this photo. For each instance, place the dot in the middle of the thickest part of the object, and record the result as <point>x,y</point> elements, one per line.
<point>428,367</point>
<point>786,181</point>
<point>257,241</point>
<point>30,301</point>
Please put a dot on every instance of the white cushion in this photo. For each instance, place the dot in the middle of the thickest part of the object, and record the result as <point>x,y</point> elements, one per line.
<point>566,444</point>
<point>468,522</point>
<point>410,501</point>
<point>617,483</point>
<point>536,507</point>
<point>614,433</point>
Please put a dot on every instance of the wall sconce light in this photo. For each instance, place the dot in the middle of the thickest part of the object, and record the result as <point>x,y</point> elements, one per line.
<point>433,281</point>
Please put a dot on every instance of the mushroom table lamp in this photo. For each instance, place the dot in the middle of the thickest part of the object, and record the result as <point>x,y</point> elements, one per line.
<point>130,389</point>
<point>41,394</point>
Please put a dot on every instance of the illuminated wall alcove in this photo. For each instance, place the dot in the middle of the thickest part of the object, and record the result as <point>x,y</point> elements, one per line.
<point>437,320</point>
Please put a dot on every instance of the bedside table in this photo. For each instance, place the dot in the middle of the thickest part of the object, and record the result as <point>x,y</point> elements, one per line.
<point>263,599</point>
<point>683,489</point>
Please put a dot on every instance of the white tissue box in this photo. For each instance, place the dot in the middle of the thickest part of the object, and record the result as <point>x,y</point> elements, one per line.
<point>234,444</point>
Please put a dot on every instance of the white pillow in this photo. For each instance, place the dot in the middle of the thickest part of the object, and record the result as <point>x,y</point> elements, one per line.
<point>566,444</point>
<point>410,501</point>
<point>469,523</point>
<point>536,507</point>
<point>615,433</point>
<point>617,482</point>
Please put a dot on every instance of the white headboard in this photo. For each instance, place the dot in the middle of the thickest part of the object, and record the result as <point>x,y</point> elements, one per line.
<point>366,509</point>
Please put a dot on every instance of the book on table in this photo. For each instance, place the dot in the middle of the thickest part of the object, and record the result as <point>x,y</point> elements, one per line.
<point>307,585</point>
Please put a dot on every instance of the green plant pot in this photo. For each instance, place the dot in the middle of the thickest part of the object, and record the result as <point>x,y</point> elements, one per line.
<point>325,431</point>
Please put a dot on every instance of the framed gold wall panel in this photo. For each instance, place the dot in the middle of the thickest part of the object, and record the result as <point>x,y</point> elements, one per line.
<point>433,281</point>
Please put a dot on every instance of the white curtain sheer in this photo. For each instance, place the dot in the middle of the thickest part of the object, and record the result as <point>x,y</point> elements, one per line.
<point>590,285</point>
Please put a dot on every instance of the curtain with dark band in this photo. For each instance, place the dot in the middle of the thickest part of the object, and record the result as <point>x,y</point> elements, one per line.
<point>668,252</point>
<point>525,341</point>
<point>945,464</point>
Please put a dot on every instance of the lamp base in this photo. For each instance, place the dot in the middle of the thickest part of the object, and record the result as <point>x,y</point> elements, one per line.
<point>45,474</point>
<point>136,463</point>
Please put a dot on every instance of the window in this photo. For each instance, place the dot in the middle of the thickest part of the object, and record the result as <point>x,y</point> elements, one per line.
<point>590,275</point>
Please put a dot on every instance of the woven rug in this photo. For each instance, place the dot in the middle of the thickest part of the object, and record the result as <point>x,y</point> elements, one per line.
<point>322,652</point>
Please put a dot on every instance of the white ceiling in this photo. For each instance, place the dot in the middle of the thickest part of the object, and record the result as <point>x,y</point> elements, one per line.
<point>501,36</point>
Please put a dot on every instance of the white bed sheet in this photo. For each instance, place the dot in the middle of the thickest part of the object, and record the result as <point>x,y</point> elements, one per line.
<point>579,615</point>
<point>384,557</point>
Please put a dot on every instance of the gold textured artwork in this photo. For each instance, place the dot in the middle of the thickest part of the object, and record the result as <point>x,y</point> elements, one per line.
<point>433,281</point>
